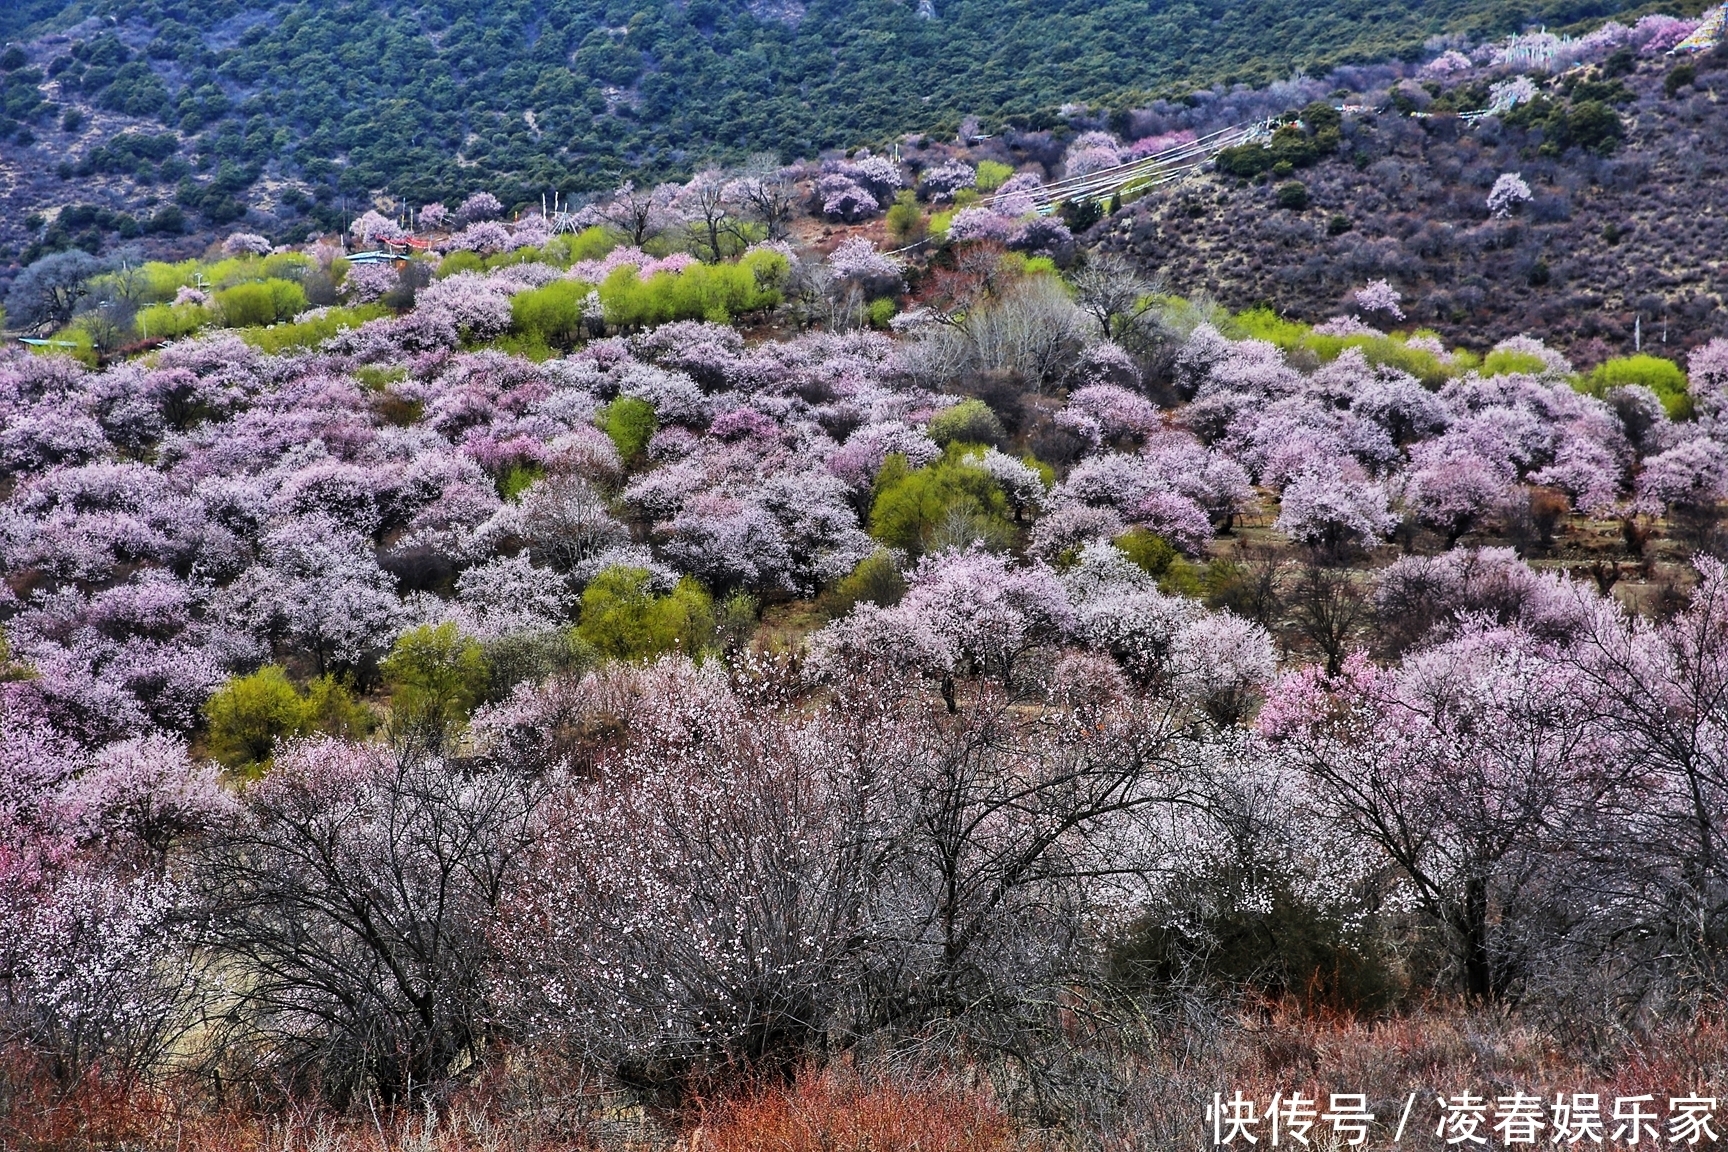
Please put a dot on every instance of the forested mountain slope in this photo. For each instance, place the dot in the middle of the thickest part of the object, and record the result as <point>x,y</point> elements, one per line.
<point>154,128</point>
<point>1619,243</point>
<point>574,92</point>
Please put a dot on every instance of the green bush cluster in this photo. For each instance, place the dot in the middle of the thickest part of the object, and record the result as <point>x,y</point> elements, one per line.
<point>258,303</point>
<point>560,252</point>
<point>992,174</point>
<point>1509,362</point>
<point>1392,350</point>
<point>1592,125</point>
<point>311,333</point>
<point>910,507</point>
<point>1293,195</point>
<point>631,423</point>
<point>250,293</point>
<point>876,580</point>
<point>969,422</point>
<point>249,716</point>
<point>551,314</point>
<point>551,317</point>
<point>1662,377</point>
<point>436,676</point>
<point>172,321</point>
<point>622,617</point>
<point>716,292</point>
<point>1292,146</point>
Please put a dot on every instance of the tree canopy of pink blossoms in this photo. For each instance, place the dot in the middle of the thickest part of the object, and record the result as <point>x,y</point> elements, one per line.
<point>857,259</point>
<point>485,237</point>
<point>1092,152</point>
<point>1508,193</point>
<point>1380,297</point>
<point>246,244</point>
<point>943,181</point>
<point>978,222</point>
<point>480,206</point>
<point>371,227</point>
<point>1448,64</point>
<point>1330,506</point>
<point>1707,377</point>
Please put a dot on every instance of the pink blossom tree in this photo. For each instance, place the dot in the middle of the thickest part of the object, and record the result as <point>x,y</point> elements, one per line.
<point>480,206</point>
<point>1508,193</point>
<point>1453,489</point>
<point>1332,507</point>
<point>246,244</point>
<point>843,198</point>
<point>1707,378</point>
<point>1092,152</point>
<point>1380,298</point>
<point>991,614</point>
<point>483,236</point>
<point>979,223</point>
<point>1458,769</point>
<point>942,182</point>
<point>856,260</point>
<point>371,227</point>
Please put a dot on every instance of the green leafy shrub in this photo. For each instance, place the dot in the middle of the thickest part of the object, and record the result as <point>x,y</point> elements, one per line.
<point>259,302</point>
<point>12,670</point>
<point>517,479</point>
<point>1680,76</point>
<point>376,377</point>
<point>462,260</point>
<point>249,715</point>
<point>534,656</point>
<point>589,244</point>
<point>1507,362</point>
<point>1150,551</point>
<point>623,619</point>
<point>1392,350</point>
<point>876,580</point>
<point>334,709</point>
<point>715,292</point>
<point>172,321</point>
<point>735,621</point>
<point>1662,377</point>
<point>969,422</point>
<point>311,333</point>
<point>992,174</point>
<point>1588,124</point>
<point>1292,145</point>
<point>1293,196</point>
<point>631,423</point>
<point>436,676</point>
<point>1592,125</point>
<point>912,506</point>
<point>552,313</point>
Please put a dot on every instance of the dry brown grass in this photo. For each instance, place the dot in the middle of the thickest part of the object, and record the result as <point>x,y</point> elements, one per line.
<point>1157,1102</point>
<point>835,1111</point>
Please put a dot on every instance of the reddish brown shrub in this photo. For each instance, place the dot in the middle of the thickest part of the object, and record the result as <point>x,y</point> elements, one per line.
<point>834,1110</point>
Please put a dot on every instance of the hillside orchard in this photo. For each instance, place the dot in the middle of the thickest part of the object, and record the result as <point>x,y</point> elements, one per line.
<point>485,678</point>
<point>674,673</point>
